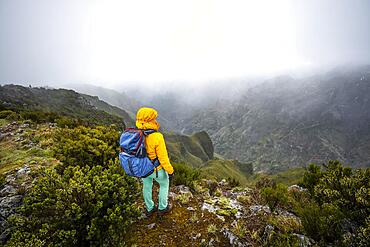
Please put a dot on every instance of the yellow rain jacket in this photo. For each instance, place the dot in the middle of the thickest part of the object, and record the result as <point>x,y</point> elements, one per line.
<point>154,143</point>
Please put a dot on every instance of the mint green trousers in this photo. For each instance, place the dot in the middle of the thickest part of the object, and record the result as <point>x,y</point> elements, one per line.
<point>163,182</point>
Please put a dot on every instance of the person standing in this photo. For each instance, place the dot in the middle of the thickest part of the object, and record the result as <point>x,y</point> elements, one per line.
<point>146,119</point>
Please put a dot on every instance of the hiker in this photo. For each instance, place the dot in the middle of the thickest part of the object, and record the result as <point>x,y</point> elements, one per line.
<point>156,148</point>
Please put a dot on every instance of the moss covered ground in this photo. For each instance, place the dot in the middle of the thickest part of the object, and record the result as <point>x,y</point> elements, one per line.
<point>25,144</point>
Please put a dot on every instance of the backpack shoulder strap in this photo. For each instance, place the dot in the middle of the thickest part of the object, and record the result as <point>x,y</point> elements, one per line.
<point>148,131</point>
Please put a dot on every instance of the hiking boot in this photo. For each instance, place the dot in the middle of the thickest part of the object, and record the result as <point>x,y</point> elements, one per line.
<point>151,212</point>
<point>166,210</point>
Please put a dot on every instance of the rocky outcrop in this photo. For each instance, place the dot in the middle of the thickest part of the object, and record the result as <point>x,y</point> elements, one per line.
<point>215,214</point>
<point>11,195</point>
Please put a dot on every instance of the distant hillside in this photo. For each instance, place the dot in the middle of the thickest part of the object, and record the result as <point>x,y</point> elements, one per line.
<point>288,122</point>
<point>113,97</point>
<point>228,169</point>
<point>193,150</point>
<point>63,102</point>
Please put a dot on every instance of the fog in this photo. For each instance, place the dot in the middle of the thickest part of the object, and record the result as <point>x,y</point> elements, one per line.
<point>168,44</point>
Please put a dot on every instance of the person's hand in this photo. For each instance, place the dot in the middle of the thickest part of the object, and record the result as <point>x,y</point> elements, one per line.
<point>170,176</point>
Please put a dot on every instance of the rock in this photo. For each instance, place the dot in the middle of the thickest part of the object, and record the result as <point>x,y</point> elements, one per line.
<point>222,206</point>
<point>182,189</point>
<point>9,178</point>
<point>296,188</point>
<point>238,215</point>
<point>142,216</point>
<point>267,233</point>
<point>234,195</point>
<point>210,208</point>
<point>8,206</point>
<point>257,209</point>
<point>151,226</point>
<point>304,241</point>
<point>349,226</point>
<point>23,171</point>
<point>2,136</point>
<point>222,218</point>
<point>4,236</point>
<point>19,131</point>
<point>234,240</point>
<point>286,213</point>
<point>223,182</point>
<point>10,201</point>
<point>210,243</point>
<point>24,126</point>
<point>19,139</point>
<point>172,195</point>
<point>8,190</point>
<point>235,204</point>
<point>197,236</point>
<point>190,208</point>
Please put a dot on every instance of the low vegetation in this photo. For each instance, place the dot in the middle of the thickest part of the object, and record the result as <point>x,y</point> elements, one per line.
<point>335,209</point>
<point>85,200</point>
<point>81,207</point>
<point>81,196</point>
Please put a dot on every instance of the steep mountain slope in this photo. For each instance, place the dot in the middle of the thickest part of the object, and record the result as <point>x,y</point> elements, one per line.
<point>113,97</point>
<point>64,102</point>
<point>193,150</point>
<point>287,122</point>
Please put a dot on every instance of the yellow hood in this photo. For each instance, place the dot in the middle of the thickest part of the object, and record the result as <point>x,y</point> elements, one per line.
<point>146,118</point>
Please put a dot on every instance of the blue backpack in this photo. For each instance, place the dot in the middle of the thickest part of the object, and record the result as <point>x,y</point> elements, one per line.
<point>133,156</point>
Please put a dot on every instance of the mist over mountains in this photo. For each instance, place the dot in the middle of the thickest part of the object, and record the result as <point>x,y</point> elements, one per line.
<point>275,124</point>
<point>286,122</point>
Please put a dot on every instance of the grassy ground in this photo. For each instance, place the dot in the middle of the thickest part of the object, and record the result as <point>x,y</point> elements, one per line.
<point>24,146</point>
<point>224,169</point>
<point>288,177</point>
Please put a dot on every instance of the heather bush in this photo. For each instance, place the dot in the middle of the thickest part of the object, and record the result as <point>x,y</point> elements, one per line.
<point>82,207</point>
<point>86,146</point>
<point>185,175</point>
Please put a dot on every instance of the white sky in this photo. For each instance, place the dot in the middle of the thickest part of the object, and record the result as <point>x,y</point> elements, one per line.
<point>111,42</point>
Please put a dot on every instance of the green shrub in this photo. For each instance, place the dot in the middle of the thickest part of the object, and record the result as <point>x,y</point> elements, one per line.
<point>35,116</point>
<point>322,223</point>
<point>265,181</point>
<point>66,122</point>
<point>276,196</point>
<point>341,186</point>
<point>349,190</point>
<point>283,240</point>
<point>12,116</point>
<point>337,195</point>
<point>81,207</point>
<point>362,237</point>
<point>5,113</point>
<point>311,177</point>
<point>86,146</point>
<point>285,224</point>
<point>233,182</point>
<point>185,175</point>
